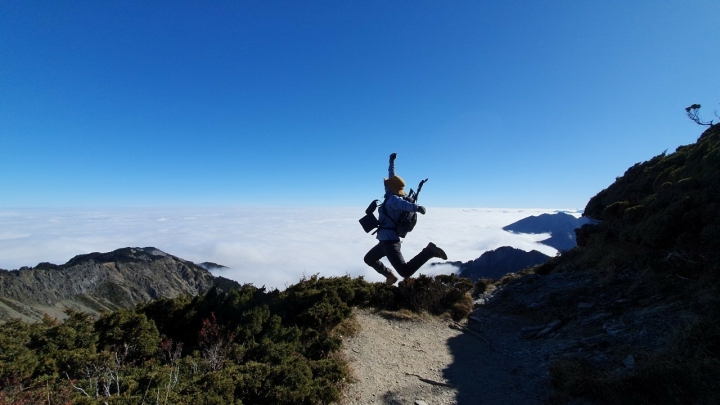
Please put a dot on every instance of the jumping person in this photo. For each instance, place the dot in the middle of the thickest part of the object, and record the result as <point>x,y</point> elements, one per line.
<point>388,239</point>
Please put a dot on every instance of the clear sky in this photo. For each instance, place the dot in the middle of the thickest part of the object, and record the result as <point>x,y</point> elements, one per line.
<point>298,103</point>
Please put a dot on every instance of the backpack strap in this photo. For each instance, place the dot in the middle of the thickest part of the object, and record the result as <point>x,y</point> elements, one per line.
<point>384,210</point>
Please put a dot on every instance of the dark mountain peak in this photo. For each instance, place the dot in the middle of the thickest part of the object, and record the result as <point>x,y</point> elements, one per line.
<point>46,266</point>
<point>560,225</point>
<point>559,221</point>
<point>123,255</point>
<point>502,250</point>
<point>212,266</point>
<point>496,263</point>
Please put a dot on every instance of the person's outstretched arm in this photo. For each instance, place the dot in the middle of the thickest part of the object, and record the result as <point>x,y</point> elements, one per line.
<point>391,167</point>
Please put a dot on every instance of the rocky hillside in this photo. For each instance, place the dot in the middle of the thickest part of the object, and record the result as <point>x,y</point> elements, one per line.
<point>631,316</point>
<point>98,282</point>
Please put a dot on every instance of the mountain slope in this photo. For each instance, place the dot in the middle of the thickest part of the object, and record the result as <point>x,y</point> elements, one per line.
<point>98,282</point>
<point>631,316</point>
<point>669,203</point>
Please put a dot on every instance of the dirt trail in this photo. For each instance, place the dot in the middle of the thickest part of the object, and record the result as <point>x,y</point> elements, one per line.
<point>430,361</point>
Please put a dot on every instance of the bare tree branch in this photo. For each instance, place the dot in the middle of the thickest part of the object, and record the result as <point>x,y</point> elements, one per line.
<point>693,114</point>
<point>76,387</point>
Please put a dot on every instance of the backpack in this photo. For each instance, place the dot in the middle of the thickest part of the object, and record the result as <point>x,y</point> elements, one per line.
<point>404,224</point>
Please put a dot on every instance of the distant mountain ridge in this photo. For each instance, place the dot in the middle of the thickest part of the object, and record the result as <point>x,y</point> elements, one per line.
<point>98,282</point>
<point>499,262</point>
<point>561,226</point>
<point>211,266</point>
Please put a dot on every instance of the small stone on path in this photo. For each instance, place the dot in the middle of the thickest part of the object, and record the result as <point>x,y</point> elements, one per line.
<point>551,327</point>
<point>629,362</point>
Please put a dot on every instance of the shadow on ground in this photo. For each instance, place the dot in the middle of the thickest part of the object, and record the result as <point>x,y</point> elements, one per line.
<point>493,370</point>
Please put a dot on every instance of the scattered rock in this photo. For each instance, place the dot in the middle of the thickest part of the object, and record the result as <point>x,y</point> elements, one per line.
<point>418,402</point>
<point>551,327</point>
<point>622,301</point>
<point>629,362</point>
<point>597,317</point>
<point>475,318</point>
<point>531,331</point>
<point>595,339</point>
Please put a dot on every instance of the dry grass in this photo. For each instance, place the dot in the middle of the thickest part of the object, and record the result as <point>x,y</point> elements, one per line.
<point>508,278</point>
<point>404,315</point>
<point>462,308</point>
<point>351,375</point>
<point>482,286</point>
<point>349,327</point>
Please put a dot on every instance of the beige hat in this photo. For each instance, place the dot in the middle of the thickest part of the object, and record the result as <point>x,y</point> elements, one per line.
<point>395,184</point>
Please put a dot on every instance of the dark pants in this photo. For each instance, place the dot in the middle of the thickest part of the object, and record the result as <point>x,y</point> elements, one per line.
<point>391,249</point>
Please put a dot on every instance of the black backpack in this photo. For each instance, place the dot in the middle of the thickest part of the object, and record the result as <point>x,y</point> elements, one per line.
<point>403,225</point>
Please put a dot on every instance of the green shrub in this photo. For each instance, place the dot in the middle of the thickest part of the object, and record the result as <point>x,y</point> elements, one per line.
<point>658,234</point>
<point>246,345</point>
<point>439,295</point>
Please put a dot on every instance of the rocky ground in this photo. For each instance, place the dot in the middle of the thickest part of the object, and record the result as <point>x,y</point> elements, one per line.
<point>437,361</point>
<point>503,352</point>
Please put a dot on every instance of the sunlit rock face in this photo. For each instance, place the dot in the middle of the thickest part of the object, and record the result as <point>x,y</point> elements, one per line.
<point>99,282</point>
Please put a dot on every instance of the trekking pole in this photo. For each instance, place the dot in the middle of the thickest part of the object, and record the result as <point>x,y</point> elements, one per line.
<point>419,188</point>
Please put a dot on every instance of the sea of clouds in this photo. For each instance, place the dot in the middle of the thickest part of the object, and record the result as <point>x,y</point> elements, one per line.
<point>271,247</point>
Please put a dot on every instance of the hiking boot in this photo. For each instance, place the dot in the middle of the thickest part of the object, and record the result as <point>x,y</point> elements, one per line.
<point>436,251</point>
<point>390,277</point>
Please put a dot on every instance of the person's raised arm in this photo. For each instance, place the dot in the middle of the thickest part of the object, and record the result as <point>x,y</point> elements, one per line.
<point>391,166</point>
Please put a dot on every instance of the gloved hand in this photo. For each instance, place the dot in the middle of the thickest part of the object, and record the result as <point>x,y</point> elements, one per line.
<point>393,156</point>
<point>421,209</point>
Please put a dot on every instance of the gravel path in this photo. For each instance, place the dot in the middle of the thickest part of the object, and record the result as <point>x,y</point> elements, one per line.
<point>436,361</point>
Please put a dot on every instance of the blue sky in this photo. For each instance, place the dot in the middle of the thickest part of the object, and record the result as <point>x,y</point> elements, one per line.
<point>299,103</point>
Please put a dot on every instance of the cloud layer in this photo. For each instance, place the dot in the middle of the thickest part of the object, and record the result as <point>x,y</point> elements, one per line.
<point>272,247</point>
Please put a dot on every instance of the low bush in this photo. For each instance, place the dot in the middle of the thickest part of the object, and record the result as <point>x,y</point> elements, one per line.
<point>481,286</point>
<point>436,295</point>
<point>247,345</point>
